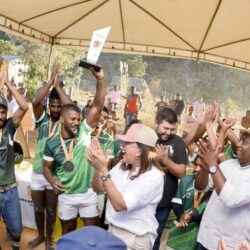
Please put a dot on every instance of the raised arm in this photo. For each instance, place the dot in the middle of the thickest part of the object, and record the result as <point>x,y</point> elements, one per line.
<point>42,92</point>
<point>210,117</point>
<point>63,96</point>
<point>23,105</point>
<point>197,133</point>
<point>209,157</point>
<point>97,105</point>
<point>225,126</point>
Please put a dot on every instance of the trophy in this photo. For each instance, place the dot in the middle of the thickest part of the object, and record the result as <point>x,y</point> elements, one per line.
<point>97,41</point>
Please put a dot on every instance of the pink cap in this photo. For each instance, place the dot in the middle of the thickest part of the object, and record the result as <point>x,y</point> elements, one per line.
<point>140,133</point>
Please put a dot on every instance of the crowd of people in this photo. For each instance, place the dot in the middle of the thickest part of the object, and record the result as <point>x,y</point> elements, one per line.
<point>152,178</point>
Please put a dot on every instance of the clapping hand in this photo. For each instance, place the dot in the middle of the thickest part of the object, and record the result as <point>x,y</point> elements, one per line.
<point>96,157</point>
<point>162,151</point>
<point>210,114</point>
<point>227,123</point>
<point>208,155</point>
<point>55,71</point>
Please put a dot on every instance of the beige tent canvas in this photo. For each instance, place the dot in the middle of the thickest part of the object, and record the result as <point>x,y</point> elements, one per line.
<point>211,30</point>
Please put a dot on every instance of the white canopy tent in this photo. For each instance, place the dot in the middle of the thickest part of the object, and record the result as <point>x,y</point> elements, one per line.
<point>217,31</point>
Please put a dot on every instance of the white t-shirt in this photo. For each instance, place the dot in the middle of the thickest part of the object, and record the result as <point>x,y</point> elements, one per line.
<point>141,196</point>
<point>228,214</point>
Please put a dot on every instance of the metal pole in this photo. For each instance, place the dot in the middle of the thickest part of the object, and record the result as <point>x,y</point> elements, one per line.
<point>50,56</point>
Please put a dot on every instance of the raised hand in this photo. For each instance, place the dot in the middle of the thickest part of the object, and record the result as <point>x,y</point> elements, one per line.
<point>96,157</point>
<point>208,155</point>
<point>210,114</point>
<point>55,71</point>
<point>98,75</point>
<point>227,123</point>
<point>56,82</point>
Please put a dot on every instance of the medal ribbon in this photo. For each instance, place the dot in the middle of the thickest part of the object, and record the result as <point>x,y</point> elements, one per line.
<point>52,131</point>
<point>198,198</point>
<point>68,154</point>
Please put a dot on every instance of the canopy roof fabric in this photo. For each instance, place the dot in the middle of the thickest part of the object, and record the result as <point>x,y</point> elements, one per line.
<point>212,30</point>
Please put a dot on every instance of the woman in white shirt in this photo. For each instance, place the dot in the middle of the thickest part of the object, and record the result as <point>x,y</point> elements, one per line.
<point>134,186</point>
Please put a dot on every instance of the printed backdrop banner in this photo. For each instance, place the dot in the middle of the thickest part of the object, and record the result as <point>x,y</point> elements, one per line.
<point>23,175</point>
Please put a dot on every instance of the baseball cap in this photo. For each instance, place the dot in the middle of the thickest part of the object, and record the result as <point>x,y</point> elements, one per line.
<point>140,133</point>
<point>3,102</point>
<point>90,238</point>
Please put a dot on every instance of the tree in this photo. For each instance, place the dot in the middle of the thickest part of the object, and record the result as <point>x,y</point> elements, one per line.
<point>7,47</point>
<point>137,67</point>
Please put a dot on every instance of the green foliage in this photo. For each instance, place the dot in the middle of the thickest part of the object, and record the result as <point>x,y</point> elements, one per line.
<point>31,86</point>
<point>137,67</point>
<point>36,55</point>
<point>7,47</point>
<point>232,106</point>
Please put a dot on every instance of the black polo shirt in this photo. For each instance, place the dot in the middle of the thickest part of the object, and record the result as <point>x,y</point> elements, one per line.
<point>178,154</point>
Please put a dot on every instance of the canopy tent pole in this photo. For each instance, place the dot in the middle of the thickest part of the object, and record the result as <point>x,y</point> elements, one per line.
<point>50,56</point>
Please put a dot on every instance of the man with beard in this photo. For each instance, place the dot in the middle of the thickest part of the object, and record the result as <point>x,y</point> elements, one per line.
<point>65,154</point>
<point>42,193</point>
<point>227,213</point>
<point>171,151</point>
<point>10,209</point>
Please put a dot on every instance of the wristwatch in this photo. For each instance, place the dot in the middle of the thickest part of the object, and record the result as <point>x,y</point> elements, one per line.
<point>105,177</point>
<point>213,169</point>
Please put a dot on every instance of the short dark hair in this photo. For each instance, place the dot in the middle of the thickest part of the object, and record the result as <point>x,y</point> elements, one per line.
<point>166,114</point>
<point>68,107</point>
<point>54,95</point>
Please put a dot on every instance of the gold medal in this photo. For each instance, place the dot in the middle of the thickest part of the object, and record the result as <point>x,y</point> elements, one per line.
<point>68,165</point>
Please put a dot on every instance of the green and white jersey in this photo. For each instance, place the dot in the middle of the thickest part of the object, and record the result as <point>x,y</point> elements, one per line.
<point>185,192</point>
<point>80,178</point>
<point>43,132</point>
<point>7,157</point>
<point>186,237</point>
<point>106,142</point>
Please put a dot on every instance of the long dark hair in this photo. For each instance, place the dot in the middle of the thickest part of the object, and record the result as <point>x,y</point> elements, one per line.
<point>148,159</point>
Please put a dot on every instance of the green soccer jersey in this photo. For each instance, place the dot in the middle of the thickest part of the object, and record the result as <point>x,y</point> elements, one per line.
<point>80,178</point>
<point>185,192</point>
<point>107,142</point>
<point>185,238</point>
<point>43,132</point>
<point>7,157</point>
<point>230,154</point>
